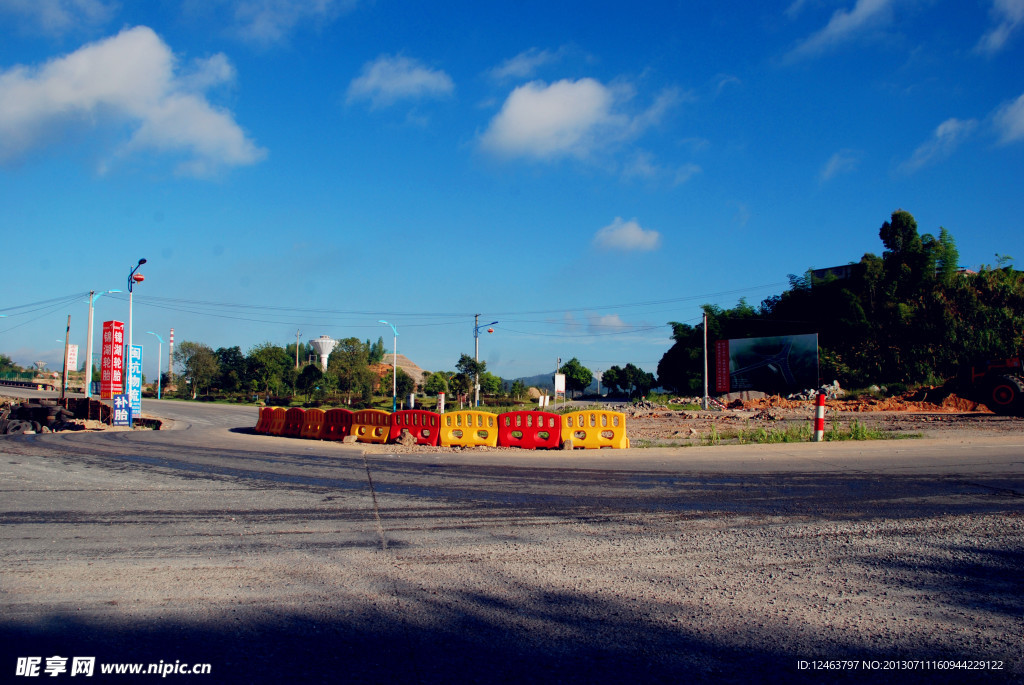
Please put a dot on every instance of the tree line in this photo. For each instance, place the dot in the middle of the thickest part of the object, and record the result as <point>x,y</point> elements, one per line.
<point>355,373</point>
<point>909,316</point>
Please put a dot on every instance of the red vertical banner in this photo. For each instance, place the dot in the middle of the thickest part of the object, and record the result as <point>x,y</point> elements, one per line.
<point>722,384</point>
<point>112,360</point>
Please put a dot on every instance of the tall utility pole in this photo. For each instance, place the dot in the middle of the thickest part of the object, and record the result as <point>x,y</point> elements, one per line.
<point>476,357</point>
<point>476,354</point>
<point>64,374</point>
<point>705,360</point>
<point>297,334</point>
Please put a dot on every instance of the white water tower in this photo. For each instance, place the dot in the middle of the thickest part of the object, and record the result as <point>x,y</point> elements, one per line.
<point>323,346</point>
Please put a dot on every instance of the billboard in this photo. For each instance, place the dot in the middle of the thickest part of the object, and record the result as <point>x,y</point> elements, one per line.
<point>111,371</point>
<point>133,376</point>
<point>779,364</point>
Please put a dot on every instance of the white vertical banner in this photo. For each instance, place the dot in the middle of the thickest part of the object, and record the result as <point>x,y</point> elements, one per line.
<point>72,358</point>
<point>559,385</point>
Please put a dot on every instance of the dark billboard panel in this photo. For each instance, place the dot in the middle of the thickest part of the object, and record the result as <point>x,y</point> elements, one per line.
<point>780,364</point>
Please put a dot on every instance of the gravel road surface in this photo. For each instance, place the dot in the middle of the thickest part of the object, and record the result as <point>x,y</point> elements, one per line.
<point>280,560</point>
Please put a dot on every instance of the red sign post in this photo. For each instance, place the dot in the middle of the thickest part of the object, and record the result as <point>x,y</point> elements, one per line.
<point>111,366</point>
<point>722,366</point>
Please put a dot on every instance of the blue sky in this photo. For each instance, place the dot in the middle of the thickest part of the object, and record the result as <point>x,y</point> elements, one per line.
<point>583,173</point>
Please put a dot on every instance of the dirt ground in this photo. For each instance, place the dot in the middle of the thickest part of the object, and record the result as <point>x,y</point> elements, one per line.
<point>894,416</point>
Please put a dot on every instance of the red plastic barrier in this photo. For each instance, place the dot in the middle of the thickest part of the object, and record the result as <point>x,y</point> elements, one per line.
<point>293,422</point>
<point>530,430</point>
<point>263,423</point>
<point>313,424</point>
<point>424,426</point>
<point>337,424</point>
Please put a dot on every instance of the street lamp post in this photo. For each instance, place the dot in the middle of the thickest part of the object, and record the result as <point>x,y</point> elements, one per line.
<point>476,355</point>
<point>159,361</point>
<point>132,280</point>
<point>394,368</point>
<point>93,296</point>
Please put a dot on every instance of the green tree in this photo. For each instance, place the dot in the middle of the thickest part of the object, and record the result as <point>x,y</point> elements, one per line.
<point>518,390</point>
<point>309,378</point>
<point>198,365</point>
<point>470,367</point>
<point>267,364</point>
<point>405,384</point>
<point>232,368</point>
<point>305,352</point>
<point>7,365</point>
<point>436,382</point>
<point>376,351</point>
<point>577,376</point>
<point>490,384</point>
<point>349,363</point>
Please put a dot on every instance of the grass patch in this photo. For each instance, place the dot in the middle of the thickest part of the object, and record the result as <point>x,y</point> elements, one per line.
<point>787,433</point>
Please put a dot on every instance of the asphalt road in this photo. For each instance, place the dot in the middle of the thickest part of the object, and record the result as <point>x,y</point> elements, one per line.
<point>274,559</point>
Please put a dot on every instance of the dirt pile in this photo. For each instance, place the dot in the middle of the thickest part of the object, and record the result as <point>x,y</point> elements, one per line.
<point>910,402</point>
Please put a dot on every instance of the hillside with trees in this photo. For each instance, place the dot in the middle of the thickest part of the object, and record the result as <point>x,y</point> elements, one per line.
<point>910,316</point>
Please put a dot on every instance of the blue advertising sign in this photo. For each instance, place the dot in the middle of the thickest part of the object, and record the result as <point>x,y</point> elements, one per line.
<point>122,410</point>
<point>134,378</point>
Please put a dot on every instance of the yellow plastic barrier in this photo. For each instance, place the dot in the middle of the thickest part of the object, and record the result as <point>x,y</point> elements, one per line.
<point>276,425</point>
<point>312,423</point>
<point>469,428</point>
<point>594,429</point>
<point>371,425</point>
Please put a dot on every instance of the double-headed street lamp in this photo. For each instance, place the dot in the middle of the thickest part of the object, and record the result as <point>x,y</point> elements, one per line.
<point>93,296</point>
<point>476,340</point>
<point>394,369</point>
<point>159,361</point>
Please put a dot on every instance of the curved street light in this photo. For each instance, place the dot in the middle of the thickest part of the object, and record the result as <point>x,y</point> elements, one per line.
<point>159,361</point>
<point>132,280</point>
<point>394,368</point>
<point>476,341</point>
<point>93,296</point>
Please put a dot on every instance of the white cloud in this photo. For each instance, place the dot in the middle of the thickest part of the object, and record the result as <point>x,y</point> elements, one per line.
<point>944,141</point>
<point>627,235</point>
<point>543,120</point>
<point>124,82</point>
<point>391,78</point>
<point>608,323</point>
<point>1009,121</point>
<point>59,17</point>
<point>841,162</point>
<point>525,64</point>
<point>568,118</point>
<point>844,26</point>
<point>272,21</point>
<point>1009,16</point>
<point>642,165</point>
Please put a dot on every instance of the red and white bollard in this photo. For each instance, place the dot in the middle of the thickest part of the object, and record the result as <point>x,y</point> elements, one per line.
<point>819,418</point>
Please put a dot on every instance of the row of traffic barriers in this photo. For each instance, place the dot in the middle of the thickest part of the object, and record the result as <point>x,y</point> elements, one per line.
<point>530,430</point>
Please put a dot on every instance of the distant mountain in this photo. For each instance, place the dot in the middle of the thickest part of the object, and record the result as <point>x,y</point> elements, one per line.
<point>546,381</point>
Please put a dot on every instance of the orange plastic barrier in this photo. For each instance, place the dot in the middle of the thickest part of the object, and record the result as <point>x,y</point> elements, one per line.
<point>312,424</point>
<point>371,425</point>
<point>469,428</point>
<point>424,426</point>
<point>530,430</point>
<point>593,429</point>
<point>337,424</point>
<point>263,423</point>
<point>293,422</point>
<point>277,421</point>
